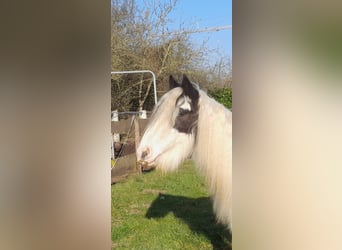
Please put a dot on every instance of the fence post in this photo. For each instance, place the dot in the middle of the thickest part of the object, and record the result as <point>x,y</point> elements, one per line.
<point>115,116</point>
<point>143,114</point>
<point>112,150</point>
<point>136,138</point>
<point>115,136</point>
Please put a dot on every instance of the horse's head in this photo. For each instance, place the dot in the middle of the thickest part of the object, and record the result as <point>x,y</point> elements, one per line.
<point>170,136</point>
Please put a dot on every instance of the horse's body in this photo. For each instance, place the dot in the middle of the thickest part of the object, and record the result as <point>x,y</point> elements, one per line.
<point>186,122</point>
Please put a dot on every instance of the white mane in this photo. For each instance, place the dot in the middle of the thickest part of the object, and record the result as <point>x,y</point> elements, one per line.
<point>213,154</point>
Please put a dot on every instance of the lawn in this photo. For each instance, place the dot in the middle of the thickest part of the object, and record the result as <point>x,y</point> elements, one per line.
<point>165,211</point>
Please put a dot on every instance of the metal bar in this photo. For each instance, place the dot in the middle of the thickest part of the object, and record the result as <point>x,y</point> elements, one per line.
<point>211,29</point>
<point>141,71</point>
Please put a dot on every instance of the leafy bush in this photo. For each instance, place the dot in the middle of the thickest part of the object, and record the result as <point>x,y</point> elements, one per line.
<point>223,96</point>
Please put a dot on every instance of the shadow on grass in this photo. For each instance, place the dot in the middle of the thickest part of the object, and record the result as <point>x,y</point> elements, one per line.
<point>197,213</point>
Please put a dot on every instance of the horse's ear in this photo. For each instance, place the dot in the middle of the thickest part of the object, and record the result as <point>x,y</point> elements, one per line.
<point>172,83</point>
<point>189,89</point>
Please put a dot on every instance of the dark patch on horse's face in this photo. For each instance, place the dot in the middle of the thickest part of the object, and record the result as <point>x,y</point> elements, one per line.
<point>187,103</point>
<point>186,121</point>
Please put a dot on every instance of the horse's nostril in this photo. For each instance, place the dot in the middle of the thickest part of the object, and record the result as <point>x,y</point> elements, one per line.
<point>145,153</point>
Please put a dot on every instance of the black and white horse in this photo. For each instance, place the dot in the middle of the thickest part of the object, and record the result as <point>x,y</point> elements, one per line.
<point>186,122</point>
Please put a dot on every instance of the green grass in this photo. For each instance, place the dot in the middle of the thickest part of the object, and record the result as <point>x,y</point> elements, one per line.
<point>165,211</point>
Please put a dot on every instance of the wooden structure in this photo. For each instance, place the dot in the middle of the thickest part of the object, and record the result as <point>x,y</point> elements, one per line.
<point>125,138</point>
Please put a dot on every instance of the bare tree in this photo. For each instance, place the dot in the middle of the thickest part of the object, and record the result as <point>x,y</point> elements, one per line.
<point>140,40</point>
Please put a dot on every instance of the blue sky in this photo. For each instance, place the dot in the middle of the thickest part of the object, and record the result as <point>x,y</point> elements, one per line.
<point>204,14</point>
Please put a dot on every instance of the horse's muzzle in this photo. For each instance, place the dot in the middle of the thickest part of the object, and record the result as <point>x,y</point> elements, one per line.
<point>144,166</point>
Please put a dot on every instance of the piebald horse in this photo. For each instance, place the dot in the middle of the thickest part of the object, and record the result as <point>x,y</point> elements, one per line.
<point>187,122</point>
